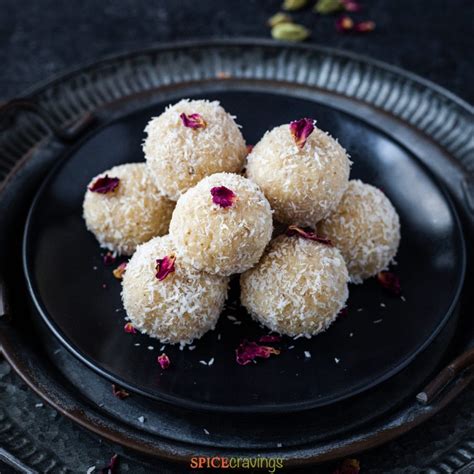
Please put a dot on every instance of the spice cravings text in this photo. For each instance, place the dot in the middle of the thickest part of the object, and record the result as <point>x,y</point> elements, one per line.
<point>218,462</point>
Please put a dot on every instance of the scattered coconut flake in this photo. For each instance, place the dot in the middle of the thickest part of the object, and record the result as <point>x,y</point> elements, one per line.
<point>300,130</point>
<point>164,266</point>
<point>111,468</point>
<point>237,323</point>
<point>120,270</point>
<point>390,282</point>
<point>223,196</point>
<point>248,351</point>
<point>90,470</point>
<point>351,334</point>
<point>360,309</point>
<point>194,121</point>
<point>94,267</point>
<point>141,419</point>
<point>232,318</point>
<point>39,405</point>
<point>150,348</point>
<point>164,361</point>
<point>403,298</point>
<point>104,185</point>
<point>336,360</point>
<point>377,321</point>
<point>119,392</point>
<point>306,233</point>
<point>291,347</point>
<point>219,337</point>
<point>162,348</point>
<point>203,362</point>
<point>211,361</point>
<point>191,348</point>
<point>382,305</point>
<point>129,328</point>
<point>109,258</point>
<point>307,354</point>
<point>279,445</point>
<point>205,431</point>
<point>270,338</point>
<point>137,344</point>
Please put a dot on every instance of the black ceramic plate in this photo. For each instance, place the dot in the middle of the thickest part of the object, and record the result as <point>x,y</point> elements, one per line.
<point>80,300</point>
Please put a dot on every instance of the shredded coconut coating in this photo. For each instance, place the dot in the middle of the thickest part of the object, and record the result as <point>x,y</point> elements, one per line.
<point>178,309</point>
<point>220,240</point>
<point>298,287</point>
<point>366,229</point>
<point>302,185</point>
<point>132,214</point>
<point>179,157</point>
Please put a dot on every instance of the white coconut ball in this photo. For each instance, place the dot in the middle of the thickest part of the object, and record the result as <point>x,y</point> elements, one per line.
<point>179,156</point>
<point>177,309</point>
<point>303,185</point>
<point>221,239</point>
<point>365,227</point>
<point>131,213</point>
<point>298,287</point>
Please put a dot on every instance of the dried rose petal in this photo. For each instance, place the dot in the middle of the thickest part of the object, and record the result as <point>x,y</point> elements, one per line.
<point>390,282</point>
<point>111,468</point>
<point>269,338</point>
<point>129,328</point>
<point>164,266</point>
<point>164,361</point>
<point>119,392</point>
<point>104,185</point>
<point>348,466</point>
<point>249,148</point>
<point>222,196</point>
<point>344,312</point>
<point>364,26</point>
<point>248,351</point>
<point>307,234</point>
<point>108,258</point>
<point>120,270</point>
<point>193,121</point>
<point>344,23</point>
<point>351,5</point>
<point>300,130</point>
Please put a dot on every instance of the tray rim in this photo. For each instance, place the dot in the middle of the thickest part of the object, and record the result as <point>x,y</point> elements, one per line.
<point>31,379</point>
<point>206,406</point>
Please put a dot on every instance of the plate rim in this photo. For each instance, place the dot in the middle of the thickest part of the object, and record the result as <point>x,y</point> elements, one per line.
<point>218,408</point>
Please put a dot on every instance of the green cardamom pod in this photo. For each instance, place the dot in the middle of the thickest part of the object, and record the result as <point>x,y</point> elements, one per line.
<point>291,5</point>
<point>290,32</point>
<point>325,7</point>
<point>278,18</point>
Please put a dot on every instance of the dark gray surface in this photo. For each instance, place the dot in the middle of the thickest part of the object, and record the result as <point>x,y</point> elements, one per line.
<point>42,38</point>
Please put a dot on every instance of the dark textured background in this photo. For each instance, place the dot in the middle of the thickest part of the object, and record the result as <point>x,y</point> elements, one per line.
<point>45,37</point>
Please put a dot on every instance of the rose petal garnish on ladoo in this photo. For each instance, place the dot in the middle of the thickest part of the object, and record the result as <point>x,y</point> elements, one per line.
<point>129,328</point>
<point>120,270</point>
<point>222,196</point>
<point>351,5</point>
<point>249,148</point>
<point>270,338</point>
<point>307,234</point>
<point>119,392</point>
<point>249,351</point>
<point>164,361</point>
<point>300,130</point>
<point>390,282</point>
<point>344,23</point>
<point>104,185</point>
<point>164,266</point>
<point>108,258</point>
<point>193,121</point>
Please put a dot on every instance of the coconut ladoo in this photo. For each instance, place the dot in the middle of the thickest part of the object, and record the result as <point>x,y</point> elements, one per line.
<point>302,171</point>
<point>298,287</point>
<point>123,208</point>
<point>222,225</point>
<point>365,227</point>
<point>166,298</point>
<point>189,141</point>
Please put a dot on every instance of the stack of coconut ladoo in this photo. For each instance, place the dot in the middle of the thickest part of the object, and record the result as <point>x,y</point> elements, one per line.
<point>190,219</point>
